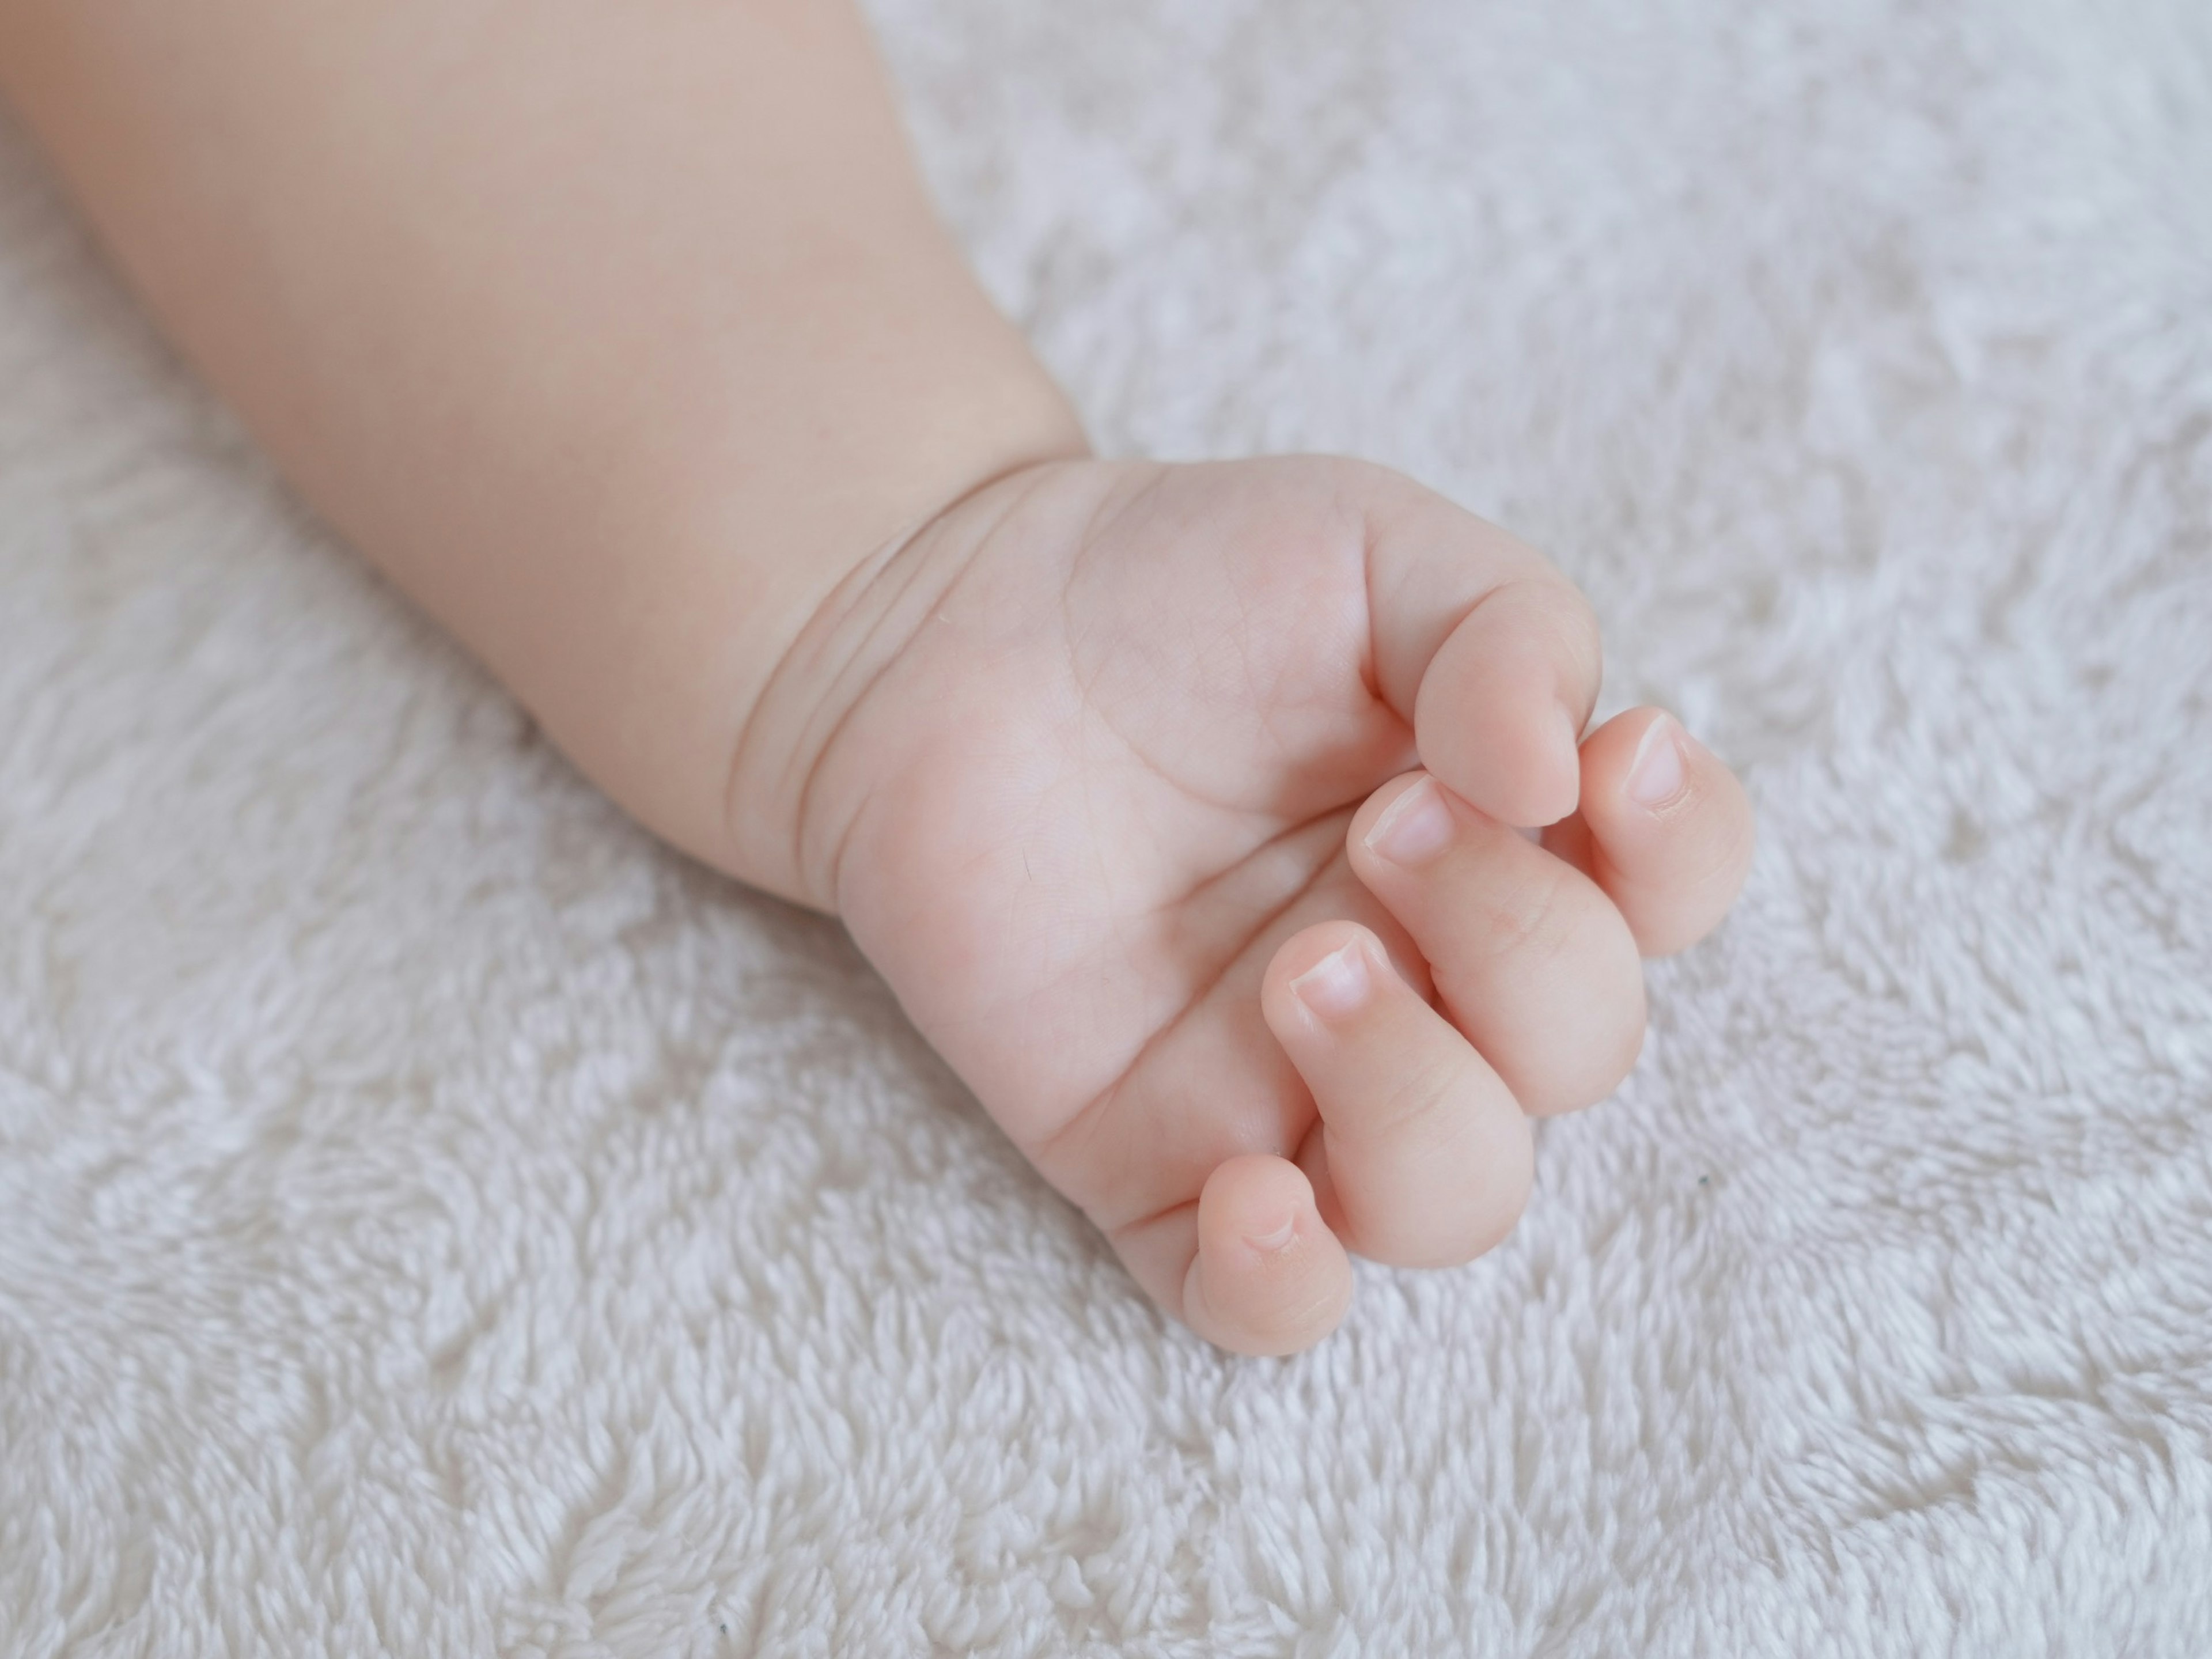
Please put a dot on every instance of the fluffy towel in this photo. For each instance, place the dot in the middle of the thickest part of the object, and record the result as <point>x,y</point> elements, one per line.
<point>434,1219</point>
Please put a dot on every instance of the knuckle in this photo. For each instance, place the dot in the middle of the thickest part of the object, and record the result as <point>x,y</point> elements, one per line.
<point>1426,1089</point>
<point>1535,906</point>
<point>1588,1060</point>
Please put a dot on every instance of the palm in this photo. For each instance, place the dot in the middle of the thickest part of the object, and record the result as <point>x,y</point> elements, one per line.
<point>1182,729</point>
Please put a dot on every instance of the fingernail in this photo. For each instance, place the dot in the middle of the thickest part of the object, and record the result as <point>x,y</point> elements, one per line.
<point>1416,828</point>
<point>1272,1244</point>
<point>1336,985</point>
<point>1656,775</point>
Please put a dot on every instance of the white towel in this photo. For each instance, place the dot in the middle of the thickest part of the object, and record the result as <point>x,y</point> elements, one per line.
<point>434,1219</point>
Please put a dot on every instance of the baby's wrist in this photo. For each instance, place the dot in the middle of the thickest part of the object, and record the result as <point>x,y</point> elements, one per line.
<point>785,814</point>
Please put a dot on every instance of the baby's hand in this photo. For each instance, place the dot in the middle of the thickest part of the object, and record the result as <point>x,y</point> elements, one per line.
<point>1178,805</point>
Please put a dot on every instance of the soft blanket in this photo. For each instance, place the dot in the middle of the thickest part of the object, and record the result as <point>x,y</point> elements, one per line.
<point>434,1219</point>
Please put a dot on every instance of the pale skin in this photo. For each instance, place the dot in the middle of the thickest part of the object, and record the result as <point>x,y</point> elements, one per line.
<point>1179,805</point>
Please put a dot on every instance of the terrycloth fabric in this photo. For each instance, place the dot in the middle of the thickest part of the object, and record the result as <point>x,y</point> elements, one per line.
<point>433,1218</point>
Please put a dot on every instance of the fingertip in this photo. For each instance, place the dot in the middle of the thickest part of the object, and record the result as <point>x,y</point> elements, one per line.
<point>1516,762</point>
<point>1269,1278</point>
<point>1534,777</point>
<point>1500,711</point>
<point>1670,828</point>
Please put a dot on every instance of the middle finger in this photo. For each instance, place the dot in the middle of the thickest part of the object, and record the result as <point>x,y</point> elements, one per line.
<point>1531,960</point>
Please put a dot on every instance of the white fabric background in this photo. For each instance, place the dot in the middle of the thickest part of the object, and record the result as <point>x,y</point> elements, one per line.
<point>433,1219</point>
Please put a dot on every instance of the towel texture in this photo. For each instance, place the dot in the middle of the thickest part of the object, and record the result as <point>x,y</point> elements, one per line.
<point>433,1220</point>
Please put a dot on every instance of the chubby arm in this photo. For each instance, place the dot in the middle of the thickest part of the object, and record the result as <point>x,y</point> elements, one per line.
<point>617,335</point>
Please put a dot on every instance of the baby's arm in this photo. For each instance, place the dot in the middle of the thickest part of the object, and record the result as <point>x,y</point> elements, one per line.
<point>616,335</point>
<point>1178,805</point>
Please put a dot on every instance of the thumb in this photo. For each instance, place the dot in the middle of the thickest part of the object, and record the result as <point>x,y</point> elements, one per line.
<point>1484,649</point>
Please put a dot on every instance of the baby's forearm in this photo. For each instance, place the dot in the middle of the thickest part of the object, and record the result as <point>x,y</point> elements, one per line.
<point>616,335</point>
